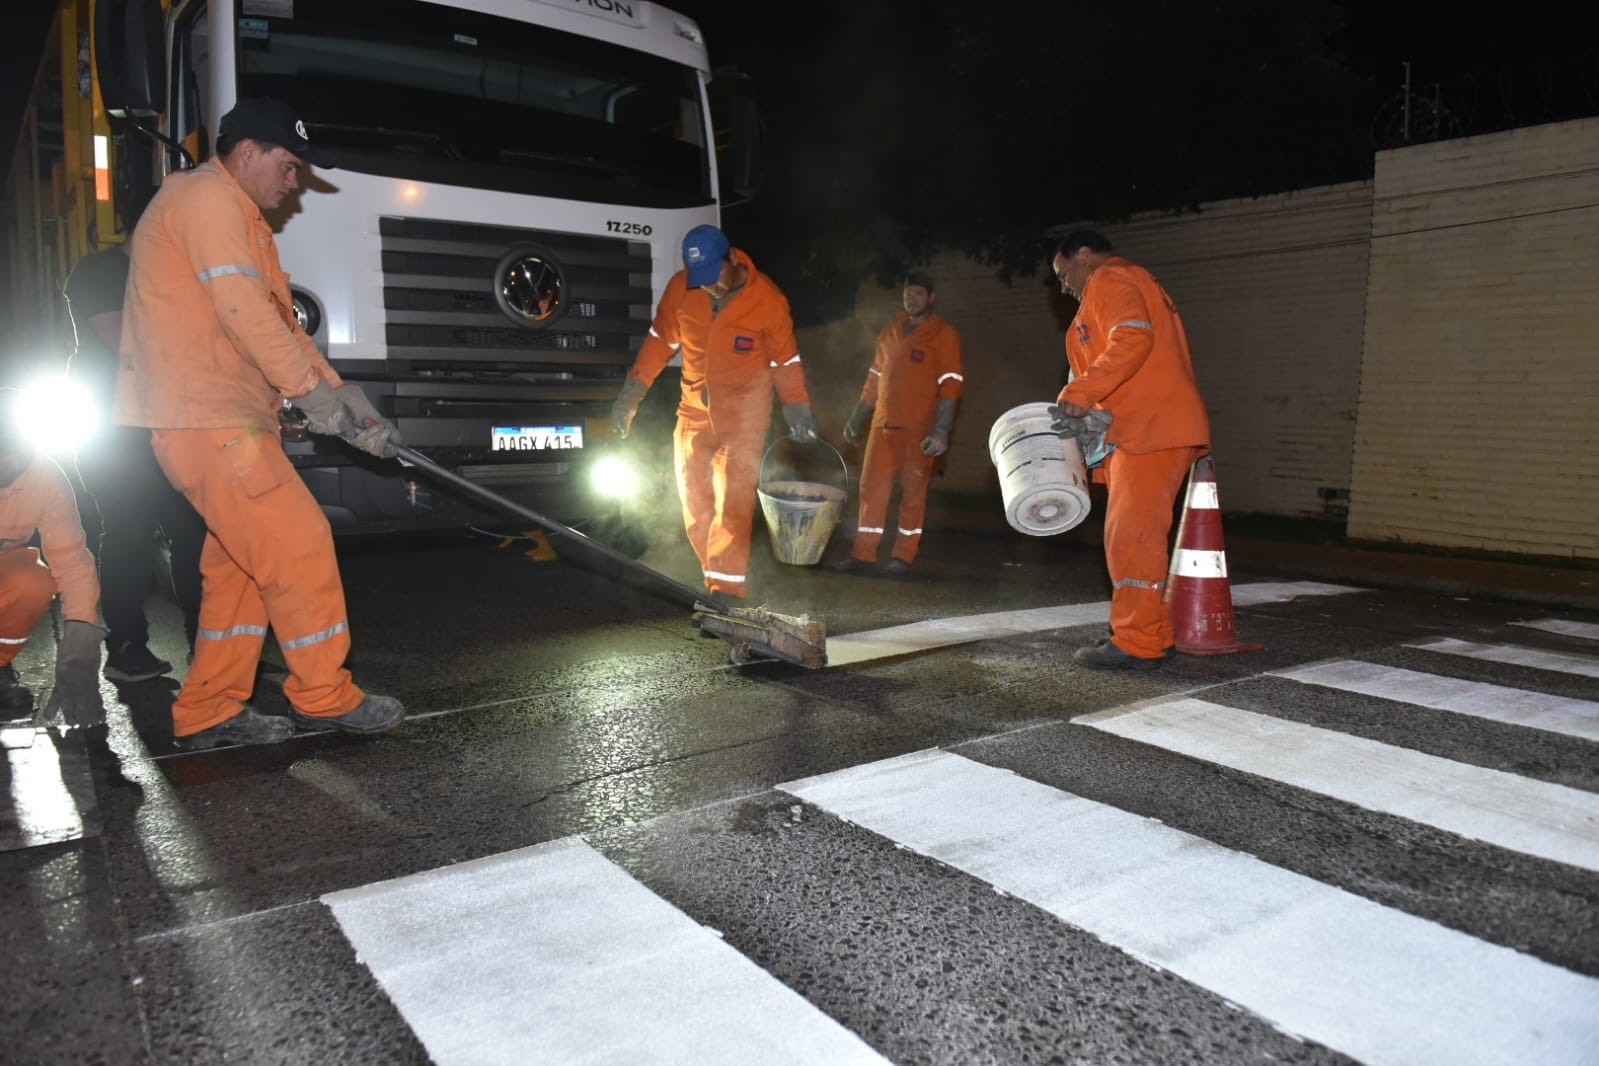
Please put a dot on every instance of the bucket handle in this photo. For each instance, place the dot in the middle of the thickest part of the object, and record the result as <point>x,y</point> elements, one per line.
<point>760,475</point>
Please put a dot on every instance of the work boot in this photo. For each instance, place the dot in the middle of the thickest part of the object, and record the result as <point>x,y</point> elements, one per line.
<point>1107,656</point>
<point>129,663</point>
<point>850,565</point>
<point>16,699</point>
<point>896,567</point>
<point>246,727</point>
<point>1168,652</point>
<point>374,714</point>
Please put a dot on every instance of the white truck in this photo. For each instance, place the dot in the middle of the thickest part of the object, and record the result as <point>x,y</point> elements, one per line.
<point>511,183</point>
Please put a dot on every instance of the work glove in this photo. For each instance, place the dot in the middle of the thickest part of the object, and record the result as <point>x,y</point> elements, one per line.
<point>626,406</point>
<point>937,440</point>
<point>801,426</point>
<point>369,431</point>
<point>1088,428</point>
<point>858,421</point>
<point>324,411</point>
<point>76,696</point>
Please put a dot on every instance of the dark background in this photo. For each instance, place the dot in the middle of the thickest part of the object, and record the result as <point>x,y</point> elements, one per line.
<point>894,130</point>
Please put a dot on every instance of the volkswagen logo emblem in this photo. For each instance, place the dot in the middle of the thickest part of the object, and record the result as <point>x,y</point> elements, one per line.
<point>529,288</point>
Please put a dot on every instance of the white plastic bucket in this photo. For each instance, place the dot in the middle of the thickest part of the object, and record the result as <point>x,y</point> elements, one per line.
<point>1041,475</point>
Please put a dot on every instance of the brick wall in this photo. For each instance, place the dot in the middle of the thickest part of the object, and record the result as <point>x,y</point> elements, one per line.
<point>1426,343</point>
<point>1272,292</point>
<point>1479,393</point>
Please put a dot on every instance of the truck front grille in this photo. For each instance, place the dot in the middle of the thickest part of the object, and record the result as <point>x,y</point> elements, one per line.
<point>443,310</point>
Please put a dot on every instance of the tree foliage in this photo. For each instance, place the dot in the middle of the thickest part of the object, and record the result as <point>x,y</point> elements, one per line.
<point>895,131</point>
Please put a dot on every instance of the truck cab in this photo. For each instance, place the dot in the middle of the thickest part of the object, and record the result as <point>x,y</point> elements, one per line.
<point>510,184</point>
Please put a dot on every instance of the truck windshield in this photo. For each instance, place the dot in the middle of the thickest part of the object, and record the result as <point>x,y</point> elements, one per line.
<point>434,93</point>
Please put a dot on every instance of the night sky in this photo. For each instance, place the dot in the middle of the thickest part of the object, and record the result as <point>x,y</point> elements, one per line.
<point>1441,41</point>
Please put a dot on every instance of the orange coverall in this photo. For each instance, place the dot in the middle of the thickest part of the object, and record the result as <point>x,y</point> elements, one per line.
<point>209,350</point>
<point>1129,354</point>
<point>732,359</point>
<point>910,374</point>
<point>41,499</point>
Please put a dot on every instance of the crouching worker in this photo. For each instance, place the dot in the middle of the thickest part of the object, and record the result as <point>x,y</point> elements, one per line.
<point>210,352</point>
<point>35,496</point>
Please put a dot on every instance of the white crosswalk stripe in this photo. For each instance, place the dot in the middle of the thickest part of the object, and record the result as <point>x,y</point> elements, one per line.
<point>851,648</point>
<point>1514,655</point>
<point>1535,817</point>
<point>552,947</point>
<point>557,946</point>
<point>1564,627</point>
<point>1373,982</point>
<point>1498,703</point>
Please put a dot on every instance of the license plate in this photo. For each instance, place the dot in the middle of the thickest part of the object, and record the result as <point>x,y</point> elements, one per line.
<point>536,438</point>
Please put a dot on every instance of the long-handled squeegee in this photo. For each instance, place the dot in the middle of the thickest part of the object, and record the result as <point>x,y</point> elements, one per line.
<point>753,633</point>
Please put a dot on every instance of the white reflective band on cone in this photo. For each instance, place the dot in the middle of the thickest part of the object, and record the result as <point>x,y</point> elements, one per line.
<point>1192,563</point>
<point>1202,496</point>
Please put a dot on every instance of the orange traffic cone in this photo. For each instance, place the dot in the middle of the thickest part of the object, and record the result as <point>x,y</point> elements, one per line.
<point>1198,596</point>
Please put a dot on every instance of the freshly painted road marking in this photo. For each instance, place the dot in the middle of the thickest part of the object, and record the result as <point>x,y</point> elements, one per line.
<point>554,954</point>
<point>849,648</point>
<point>1564,627</point>
<point>1514,706</point>
<point>943,632</point>
<point>1535,817</point>
<point>1257,592</point>
<point>1514,655</point>
<point>1372,982</point>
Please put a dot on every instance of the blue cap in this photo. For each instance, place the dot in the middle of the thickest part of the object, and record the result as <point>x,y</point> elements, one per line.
<point>703,251</point>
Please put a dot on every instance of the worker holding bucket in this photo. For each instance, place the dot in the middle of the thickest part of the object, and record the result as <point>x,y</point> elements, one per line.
<point>1132,382</point>
<point>909,401</point>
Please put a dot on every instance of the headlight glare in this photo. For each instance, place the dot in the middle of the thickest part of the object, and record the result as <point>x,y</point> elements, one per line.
<point>615,478</point>
<point>56,415</point>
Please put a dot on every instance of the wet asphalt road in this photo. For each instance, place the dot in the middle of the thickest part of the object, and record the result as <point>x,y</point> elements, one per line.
<point>546,700</point>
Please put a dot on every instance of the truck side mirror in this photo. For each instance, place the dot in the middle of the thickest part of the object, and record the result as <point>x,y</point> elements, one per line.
<point>130,57</point>
<point>739,133</point>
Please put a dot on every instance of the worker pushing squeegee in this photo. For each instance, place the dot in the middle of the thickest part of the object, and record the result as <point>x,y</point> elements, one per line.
<point>733,328</point>
<point>754,633</point>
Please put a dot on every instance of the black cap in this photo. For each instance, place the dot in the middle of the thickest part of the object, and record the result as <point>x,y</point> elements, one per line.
<point>920,277</point>
<point>270,122</point>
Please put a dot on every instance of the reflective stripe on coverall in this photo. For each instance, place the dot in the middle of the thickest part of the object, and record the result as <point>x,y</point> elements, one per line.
<point>209,349</point>
<point>732,360</point>
<point>910,373</point>
<point>41,499</point>
<point>1129,354</point>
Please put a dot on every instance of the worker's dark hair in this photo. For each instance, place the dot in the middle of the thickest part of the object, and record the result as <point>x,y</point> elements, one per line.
<point>919,277</point>
<point>1093,240</point>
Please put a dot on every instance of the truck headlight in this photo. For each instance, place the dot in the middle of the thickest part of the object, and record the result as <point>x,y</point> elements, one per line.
<point>56,415</point>
<point>306,311</point>
<point>616,478</point>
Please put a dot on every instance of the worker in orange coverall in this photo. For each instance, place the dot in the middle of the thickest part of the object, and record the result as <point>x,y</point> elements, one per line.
<point>35,497</point>
<point>210,353</point>
<point>733,327</point>
<point>909,399</point>
<point>1131,389</point>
